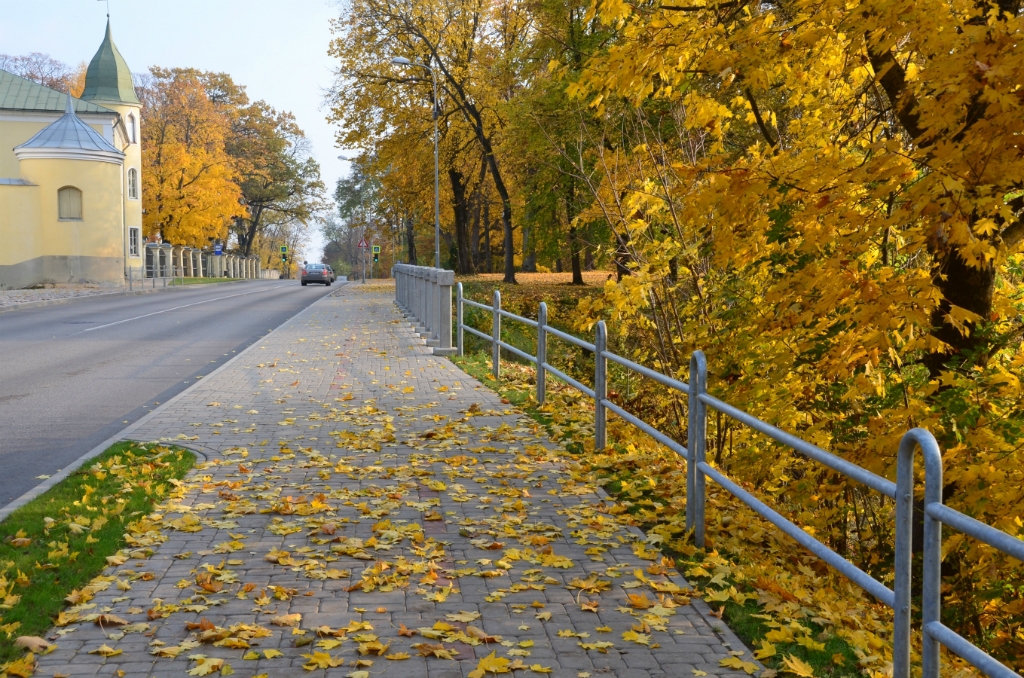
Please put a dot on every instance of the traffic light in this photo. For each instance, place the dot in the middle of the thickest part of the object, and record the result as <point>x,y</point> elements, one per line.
<point>376,257</point>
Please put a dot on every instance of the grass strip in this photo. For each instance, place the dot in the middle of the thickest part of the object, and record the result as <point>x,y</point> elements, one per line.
<point>200,281</point>
<point>61,539</point>
<point>828,655</point>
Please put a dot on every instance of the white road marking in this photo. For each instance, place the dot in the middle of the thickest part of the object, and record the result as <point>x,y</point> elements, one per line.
<point>166,310</point>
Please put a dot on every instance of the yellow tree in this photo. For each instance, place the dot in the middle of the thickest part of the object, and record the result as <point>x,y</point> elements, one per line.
<point>467,43</point>
<point>190,194</point>
<point>841,187</point>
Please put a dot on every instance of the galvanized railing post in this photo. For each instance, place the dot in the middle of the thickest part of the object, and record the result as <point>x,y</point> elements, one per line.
<point>697,439</point>
<point>931,570</point>
<point>903,554</point>
<point>458,320</point>
<point>496,335</point>
<point>542,351</point>
<point>600,386</point>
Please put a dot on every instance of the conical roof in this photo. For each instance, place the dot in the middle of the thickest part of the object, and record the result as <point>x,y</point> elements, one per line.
<point>108,77</point>
<point>69,137</point>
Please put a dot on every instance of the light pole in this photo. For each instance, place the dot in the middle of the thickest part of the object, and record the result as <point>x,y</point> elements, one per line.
<point>402,61</point>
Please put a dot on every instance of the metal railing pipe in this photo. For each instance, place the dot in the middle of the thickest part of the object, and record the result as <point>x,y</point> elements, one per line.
<point>586,390</point>
<point>696,445</point>
<point>851,571</point>
<point>571,339</point>
<point>649,373</point>
<point>600,386</point>
<point>460,346</point>
<point>875,482</point>
<point>515,351</point>
<point>496,336</point>
<point>542,350</point>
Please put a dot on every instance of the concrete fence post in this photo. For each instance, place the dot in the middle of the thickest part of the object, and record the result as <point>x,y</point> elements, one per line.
<point>445,280</point>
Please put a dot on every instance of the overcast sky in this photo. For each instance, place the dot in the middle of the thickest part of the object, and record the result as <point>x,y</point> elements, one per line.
<point>277,49</point>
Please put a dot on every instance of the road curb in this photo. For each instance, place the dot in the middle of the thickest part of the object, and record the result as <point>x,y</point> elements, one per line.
<point>122,293</point>
<point>124,434</point>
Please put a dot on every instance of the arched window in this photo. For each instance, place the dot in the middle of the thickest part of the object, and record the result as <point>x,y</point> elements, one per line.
<point>69,203</point>
<point>131,128</point>
<point>133,184</point>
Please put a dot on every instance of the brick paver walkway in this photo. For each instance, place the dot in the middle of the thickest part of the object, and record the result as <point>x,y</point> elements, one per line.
<point>364,500</point>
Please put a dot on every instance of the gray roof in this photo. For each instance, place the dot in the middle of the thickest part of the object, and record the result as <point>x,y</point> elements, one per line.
<point>20,94</point>
<point>69,132</point>
<point>108,77</point>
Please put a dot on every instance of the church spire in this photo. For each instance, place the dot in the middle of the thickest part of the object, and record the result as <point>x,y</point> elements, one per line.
<point>108,78</point>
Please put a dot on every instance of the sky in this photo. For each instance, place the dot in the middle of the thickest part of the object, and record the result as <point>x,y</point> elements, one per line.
<point>277,49</point>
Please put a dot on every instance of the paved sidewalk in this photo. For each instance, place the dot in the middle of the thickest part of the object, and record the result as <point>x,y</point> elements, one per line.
<point>16,297</point>
<point>367,507</point>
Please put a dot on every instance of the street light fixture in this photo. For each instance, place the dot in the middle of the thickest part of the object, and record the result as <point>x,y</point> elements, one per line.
<point>402,61</point>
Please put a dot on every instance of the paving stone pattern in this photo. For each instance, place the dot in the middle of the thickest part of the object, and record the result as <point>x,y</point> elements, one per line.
<point>363,381</point>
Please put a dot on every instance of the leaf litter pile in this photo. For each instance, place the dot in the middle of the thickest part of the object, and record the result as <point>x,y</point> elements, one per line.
<point>317,549</point>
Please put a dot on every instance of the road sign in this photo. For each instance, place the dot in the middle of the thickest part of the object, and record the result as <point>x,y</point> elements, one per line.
<point>218,250</point>
<point>362,244</point>
<point>376,249</point>
<point>284,249</point>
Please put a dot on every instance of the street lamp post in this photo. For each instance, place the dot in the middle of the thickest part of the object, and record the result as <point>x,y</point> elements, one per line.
<point>402,61</point>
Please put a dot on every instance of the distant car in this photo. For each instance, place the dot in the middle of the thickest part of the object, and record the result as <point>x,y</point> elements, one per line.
<point>331,271</point>
<point>317,273</point>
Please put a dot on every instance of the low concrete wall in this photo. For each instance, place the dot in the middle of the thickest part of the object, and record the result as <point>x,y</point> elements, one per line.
<point>63,269</point>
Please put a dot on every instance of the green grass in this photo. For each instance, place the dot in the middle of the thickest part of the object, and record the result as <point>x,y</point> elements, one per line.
<point>747,621</point>
<point>201,281</point>
<point>119,486</point>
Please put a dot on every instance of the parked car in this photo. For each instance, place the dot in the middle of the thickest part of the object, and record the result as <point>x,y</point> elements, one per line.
<point>317,273</point>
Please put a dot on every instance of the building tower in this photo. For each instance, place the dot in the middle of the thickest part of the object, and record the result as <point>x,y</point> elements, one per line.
<point>108,83</point>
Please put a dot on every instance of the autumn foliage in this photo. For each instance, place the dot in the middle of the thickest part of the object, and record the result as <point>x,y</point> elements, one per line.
<point>826,199</point>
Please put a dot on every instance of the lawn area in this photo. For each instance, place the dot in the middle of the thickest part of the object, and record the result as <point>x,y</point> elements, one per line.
<point>201,281</point>
<point>53,546</point>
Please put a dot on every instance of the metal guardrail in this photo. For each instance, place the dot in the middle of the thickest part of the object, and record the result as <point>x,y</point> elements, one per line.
<point>698,470</point>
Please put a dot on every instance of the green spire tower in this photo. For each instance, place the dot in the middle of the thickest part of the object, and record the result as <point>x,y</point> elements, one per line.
<point>109,79</point>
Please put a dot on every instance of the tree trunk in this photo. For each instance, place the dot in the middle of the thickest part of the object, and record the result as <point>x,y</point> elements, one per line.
<point>410,239</point>
<point>574,255</point>
<point>588,258</point>
<point>474,235</point>
<point>506,219</point>
<point>461,209</point>
<point>622,257</point>
<point>487,236</point>
<point>529,252</point>
<point>968,287</point>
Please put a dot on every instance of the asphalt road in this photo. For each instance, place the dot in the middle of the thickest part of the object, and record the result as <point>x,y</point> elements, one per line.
<point>72,376</point>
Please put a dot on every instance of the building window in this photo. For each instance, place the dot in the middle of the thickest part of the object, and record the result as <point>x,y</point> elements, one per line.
<point>133,184</point>
<point>133,242</point>
<point>131,128</point>
<point>69,203</point>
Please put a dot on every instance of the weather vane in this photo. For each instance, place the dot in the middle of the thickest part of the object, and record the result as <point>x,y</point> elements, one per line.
<point>108,7</point>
